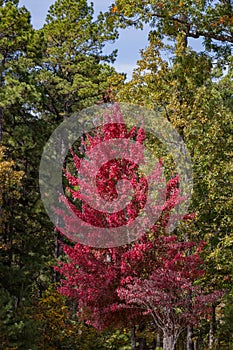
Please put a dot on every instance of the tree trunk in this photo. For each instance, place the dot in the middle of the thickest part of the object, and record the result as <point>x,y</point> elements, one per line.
<point>195,344</point>
<point>189,338</point>
<point>57,253</point>
<point>60,156</point>
<point>169,342</point>
<point>133,338</point>
<point>142,344</point>
<point>212,329</point>
<point>159,343</point>
<point>153,345</point>
<point>211,335</point>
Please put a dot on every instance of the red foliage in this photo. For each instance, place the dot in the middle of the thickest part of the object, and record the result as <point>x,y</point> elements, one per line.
<point>115,286</point>
<point>155,276</point>
<point>169,291</point>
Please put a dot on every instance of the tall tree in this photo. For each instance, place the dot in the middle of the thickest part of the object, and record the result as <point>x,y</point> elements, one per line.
<point>156,272</point>
<point>195,95</point>
<point>210,21</point>
<point>74,71</point>
<point>44,75</point>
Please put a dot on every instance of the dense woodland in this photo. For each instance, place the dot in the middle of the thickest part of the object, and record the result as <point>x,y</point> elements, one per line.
<point>50,73</point>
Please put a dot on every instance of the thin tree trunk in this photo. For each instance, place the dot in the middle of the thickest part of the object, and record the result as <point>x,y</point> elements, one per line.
<point>133,338</point>
<point>57,253</point>
<point>195,344</point>
<point>60,155</point>
<point>142,340</point>
<point>159,343</point>
<point>211,335</point>
<point>153,345</point>
<point>212,329</point>
<point>189,338</point>
<point>142,344</point>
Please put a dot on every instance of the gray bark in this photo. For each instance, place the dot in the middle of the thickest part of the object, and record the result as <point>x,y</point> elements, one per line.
<point>189,338</point>
<point>211,335</point>
<point>195,344</point>
<point>169,342</point>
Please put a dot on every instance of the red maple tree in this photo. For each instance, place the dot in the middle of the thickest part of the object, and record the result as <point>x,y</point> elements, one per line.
<point>154,276</point>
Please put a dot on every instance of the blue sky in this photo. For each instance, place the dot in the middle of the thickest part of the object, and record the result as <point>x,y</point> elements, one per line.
<point>129,43</point>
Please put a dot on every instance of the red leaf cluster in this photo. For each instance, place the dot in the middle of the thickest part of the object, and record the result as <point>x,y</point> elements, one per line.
<point>155,276</point>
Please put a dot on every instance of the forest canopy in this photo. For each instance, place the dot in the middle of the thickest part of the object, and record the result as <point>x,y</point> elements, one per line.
<point>55,294</point>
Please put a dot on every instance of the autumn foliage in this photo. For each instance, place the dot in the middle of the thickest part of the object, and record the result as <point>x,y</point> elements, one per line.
<point>156,276</point>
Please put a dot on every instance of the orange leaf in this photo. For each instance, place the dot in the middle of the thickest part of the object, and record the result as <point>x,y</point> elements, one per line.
<point>114,9</point>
